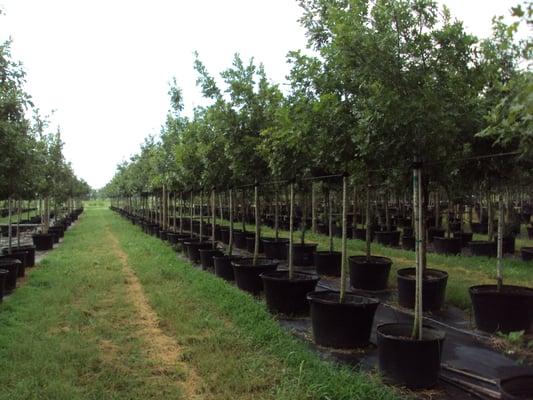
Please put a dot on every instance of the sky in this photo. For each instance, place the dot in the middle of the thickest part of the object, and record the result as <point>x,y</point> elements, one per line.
<point>104,66</point>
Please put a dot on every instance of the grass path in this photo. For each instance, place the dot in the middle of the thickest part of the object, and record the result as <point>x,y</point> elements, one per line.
<point>114,314</point>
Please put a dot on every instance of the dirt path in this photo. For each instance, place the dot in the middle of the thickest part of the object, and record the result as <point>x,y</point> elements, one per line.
<point>161,348</point>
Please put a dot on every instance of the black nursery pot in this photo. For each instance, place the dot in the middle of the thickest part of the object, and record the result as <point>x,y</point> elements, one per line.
<point>408,243</point>
<point>250,244</point>
<point>4,273</point>
<point>162,234</point>
<point>239,237</point>
<point>224,235</point>
<point>483,248</point>
<point>206,257</point>
<point>369,273</point>
<point>193,249</point>
<point>508,310</point>
<point>518,387</point>
<point>435,232</point>
<point>388,238</point>
<point>288,296</point>
<point>223,267</point>
<point>43,241</point>
<point>30,253</point>
<point>276,249</point>
<point>302,254</point>
<point>406,362</point>
<point>345,325</point>
<point>60,230</point>
<point>12,265</point>
<point>508,244</point>
<point>22,256</point>
<point>247,275</point>
<point>433,288</point>
<point>530,232</point>
<point>464,237</point>
<point>526,253</point>
<point>447,246</point>
<point>180,244</point>
<point>328,263</point>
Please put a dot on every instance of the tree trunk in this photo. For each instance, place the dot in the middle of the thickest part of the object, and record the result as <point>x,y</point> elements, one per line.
<point>291,230</point>
<point>344,235</point>
<point>201,216</point>
<point>230,244</point>
<point>213,216</point>
<point>330,219</point>
<point>276,213</point>
<point>368,223</point>
<point>500,242</point>
<point>490,213</point>
<point>419,249</point>
<point>257,224</point>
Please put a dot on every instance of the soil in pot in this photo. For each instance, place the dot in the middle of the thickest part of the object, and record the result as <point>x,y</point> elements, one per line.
<point>526,253</point>
<point>407,362</point>
<point>288,296</point>
<point>12,265</point>
<point>483,248</point>
<point>247,275</point>
<point>369,273</point>
<point>223,267</point>
<point>518,387</point>
<point>43,241</point>
<point>276,249</point>
<point>388,238</point>
<point>408,243</point>
<point>302,254</point>
<point>344,325</point>
<point>206,257</point>
<point>508,310</point>
<point>328,263</point>
<point>433,288</point>
<point>447,246</point>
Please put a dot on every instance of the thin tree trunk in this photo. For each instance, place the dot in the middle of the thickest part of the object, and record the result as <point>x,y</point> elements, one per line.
<point>230,244</point>
<point>344,237</point>
<point>257,224</point>
<point>313,208</point>
<point>500,242</point>
<point>330,219</point>
<point>368,223</point>
<point>276,213</point>
<point>213,215</point>
<point>291,230</point>
<point>419,234</point>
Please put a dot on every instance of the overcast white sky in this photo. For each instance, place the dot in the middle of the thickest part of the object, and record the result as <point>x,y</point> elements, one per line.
<point>105,65</point>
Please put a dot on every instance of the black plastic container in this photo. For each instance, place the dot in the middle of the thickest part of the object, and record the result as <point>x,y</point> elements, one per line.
<point>30,250</point>
<point>408,243</point>
<point>43,241</point>
<point>4,273</point>
<point>22,256</point>
<point>302,254</point>
<point>508,310</point>
<point>369,273</point>
<point>530,232</point>
<point>224,235</point>
<point>447,246</point>
<point>223,267</point>
<point>12,265</point>
<point>344,325</point>
<point>162,234</point>
<point>193,249</point>
<point>180,245</point>
<point>206,256</point>
<point>59,230</point>
<point>247,275</point>
<point>250,244</point>
<point>288,296</point>
<point>464,237</point>
<point>526,253</point>
<point>239,238</point>
<point>517,387</point>
<point>276,249</point>
<point>433,288</point>
<point>508,244</point>
<point>388,238</point>
<point>483,248</point>
<point>411,363</point>
<point>435,232</point>
<point>328,263</point>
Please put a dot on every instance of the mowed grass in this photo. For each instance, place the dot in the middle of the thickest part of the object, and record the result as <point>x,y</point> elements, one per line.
<point>464,271</point>
<point>73,332</point>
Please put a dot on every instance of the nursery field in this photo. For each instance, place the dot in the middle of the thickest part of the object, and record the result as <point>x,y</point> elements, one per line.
<point>115,314</point>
